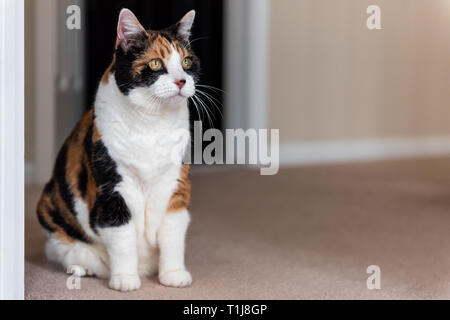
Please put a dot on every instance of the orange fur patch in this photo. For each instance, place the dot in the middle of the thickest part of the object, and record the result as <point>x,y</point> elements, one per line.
<point>52,201</point>
<point>76,152</point>
<point>182,196</point>
<point>160,49</point>
<point>96,134</point>
<point>66,215</point>
<point>45,204</point>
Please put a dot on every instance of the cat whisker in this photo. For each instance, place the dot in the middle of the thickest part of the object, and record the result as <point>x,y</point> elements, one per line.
<point>196,39</point>
<point>196,107</point>
<point>205,107</point>
<point>212,99</point>
<point>211,88</point>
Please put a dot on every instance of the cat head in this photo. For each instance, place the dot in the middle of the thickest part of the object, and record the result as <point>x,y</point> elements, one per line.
<point>155,66</point>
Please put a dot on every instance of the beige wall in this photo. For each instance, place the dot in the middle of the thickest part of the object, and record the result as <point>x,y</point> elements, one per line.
<point>333,79</point>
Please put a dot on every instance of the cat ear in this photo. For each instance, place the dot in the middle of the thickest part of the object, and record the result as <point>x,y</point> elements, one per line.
<point>128,29</point>
<point>185,25</point>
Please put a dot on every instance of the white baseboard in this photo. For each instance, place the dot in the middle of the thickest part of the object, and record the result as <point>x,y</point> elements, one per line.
<point>362,150</point>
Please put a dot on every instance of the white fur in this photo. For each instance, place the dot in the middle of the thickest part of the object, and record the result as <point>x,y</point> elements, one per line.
<point>121,245</point>
<point>171,236</point>
<point>78,258</point>
<point>139,135</point>
<point>186,24</point>
<point>83,218</point>
<point>128,25</point>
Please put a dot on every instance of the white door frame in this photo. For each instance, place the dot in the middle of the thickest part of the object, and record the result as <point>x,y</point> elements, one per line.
<point>247,36</point>
<point>12,149</point>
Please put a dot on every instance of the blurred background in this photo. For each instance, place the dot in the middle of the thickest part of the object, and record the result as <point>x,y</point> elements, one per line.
<point>343,96</point>
<point>309,68</point>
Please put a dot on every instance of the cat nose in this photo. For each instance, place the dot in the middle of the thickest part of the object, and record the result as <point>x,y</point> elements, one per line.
<point>180,83</point>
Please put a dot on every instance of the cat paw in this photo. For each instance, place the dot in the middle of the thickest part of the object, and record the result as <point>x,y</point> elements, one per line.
<point>125,282</point>
<point>78,271</point>
<point>177,278</point>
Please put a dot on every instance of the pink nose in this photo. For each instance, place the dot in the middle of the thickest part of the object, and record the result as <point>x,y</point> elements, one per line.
<point>180,83</point>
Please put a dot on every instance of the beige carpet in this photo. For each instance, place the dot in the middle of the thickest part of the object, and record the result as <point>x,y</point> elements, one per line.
<point>306,233</point>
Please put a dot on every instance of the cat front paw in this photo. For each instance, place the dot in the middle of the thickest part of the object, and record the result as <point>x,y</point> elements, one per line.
<point>125,282</point>
<point>78,271</point>
<point>177,278</point>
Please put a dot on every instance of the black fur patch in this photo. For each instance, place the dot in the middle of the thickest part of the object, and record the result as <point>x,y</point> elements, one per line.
<point>124,64</point>
<point>44,224</point>
<point>104,169</point>
<point>58,220</point>
<point>110,209</point>
<point>88,143</point>
<point>48,189</point>
<point>60,176</point>
<point>82,181</point>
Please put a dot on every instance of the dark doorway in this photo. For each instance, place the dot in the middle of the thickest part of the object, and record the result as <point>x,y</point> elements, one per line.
<point>101,24</point>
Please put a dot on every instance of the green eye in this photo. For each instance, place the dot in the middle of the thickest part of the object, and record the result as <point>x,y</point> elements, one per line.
<point>155,65</point>
<point>187,63</point>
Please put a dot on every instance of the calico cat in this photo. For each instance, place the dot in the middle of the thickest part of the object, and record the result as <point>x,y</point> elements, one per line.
<point>117,204</point>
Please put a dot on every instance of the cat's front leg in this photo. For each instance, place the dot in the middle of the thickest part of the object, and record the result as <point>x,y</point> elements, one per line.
<point>171,241</point>
<point>121,246</point>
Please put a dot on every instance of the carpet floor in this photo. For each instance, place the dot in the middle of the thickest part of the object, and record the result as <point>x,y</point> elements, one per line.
<point>306,233</point>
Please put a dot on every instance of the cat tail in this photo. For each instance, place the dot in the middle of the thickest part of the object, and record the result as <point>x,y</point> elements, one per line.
<point>78,258</point>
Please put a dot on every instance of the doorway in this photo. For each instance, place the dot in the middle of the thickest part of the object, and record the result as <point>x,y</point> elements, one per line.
<point>207,41</point>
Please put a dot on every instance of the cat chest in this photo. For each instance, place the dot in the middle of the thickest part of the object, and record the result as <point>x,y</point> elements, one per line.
<point>149,156</point>
<point>147,188</point>
<point>149,170</point>
<point>149,163</point>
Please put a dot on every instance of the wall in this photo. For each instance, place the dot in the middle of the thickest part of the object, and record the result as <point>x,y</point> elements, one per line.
<point>333,79</point>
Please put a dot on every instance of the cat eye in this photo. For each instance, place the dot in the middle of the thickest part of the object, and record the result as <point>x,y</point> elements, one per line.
<point>156,65</point>
<point>187,63</point>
